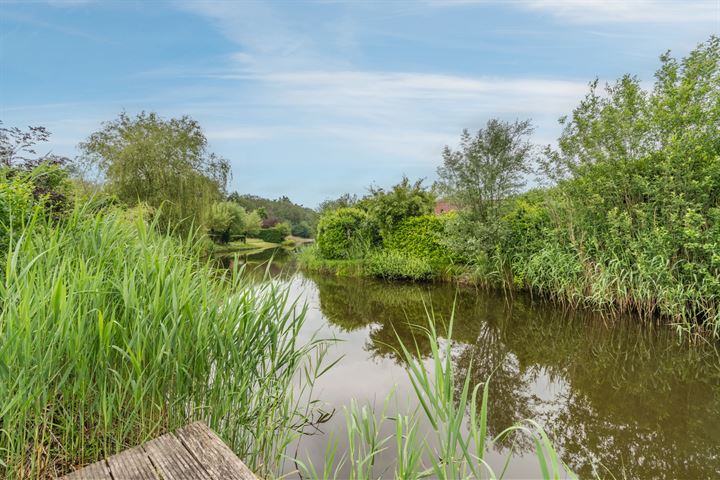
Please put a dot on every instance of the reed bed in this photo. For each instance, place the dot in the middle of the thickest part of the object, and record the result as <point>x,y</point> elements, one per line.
<point>111,334</point>
<point>457,442</point>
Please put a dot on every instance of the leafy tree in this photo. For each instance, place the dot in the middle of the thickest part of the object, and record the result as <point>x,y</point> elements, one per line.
<point>163,163</point>
<point>302,229</point>
<point>628,123</point>
<point>489,168</point>
<point>402,201</point>
<point>16,143</point>
<point>228,219</point>
<point>345,200</point>
<point>253,224</point>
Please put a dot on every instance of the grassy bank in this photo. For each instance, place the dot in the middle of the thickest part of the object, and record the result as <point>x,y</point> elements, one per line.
<point>111,333</point>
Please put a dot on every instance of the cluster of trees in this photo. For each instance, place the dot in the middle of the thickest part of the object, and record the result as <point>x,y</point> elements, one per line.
<point>302,221</point>
<point>229,220</point>
<point>630,219</point>
<point>377,228</point>
<point>161,165</point>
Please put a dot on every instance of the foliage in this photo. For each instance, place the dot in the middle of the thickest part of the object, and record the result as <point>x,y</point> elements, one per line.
<point>633,222</point>
<point>274,234</point>
<point>302,229</point>
<point>280,210</point>
<point>48,173</point>
<point>228,220</point>
<point>163,163</point>
<point>15,143</point>
<point>421,237</point>
<point>111,334</point>
<point>16,200</point>
<point>391,207</point>
<point>394,265</point>
<point>342,232</point>
<point>488,168</point>
<point>345,200</point>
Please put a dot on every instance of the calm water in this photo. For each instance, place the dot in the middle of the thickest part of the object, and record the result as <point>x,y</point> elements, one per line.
<point>613,396</point>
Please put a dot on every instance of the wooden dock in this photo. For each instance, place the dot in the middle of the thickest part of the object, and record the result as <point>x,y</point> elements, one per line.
<point>193,452</point>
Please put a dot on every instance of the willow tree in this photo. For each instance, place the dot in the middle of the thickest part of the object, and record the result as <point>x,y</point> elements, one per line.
<point>164,164</point>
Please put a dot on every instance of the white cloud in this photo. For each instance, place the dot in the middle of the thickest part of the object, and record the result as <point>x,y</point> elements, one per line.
<point>613,11</point>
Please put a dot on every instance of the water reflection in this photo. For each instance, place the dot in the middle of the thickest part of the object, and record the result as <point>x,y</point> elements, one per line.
<point>619,397</point>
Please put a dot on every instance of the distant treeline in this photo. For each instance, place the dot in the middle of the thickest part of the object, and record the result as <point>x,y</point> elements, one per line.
<point>302,220</point>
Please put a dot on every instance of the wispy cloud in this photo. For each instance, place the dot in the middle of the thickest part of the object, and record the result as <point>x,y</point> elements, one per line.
<point>611,11</point>
<point>403,114</point>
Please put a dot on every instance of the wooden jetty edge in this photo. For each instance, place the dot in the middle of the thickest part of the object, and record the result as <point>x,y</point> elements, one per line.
<point>193,452</point>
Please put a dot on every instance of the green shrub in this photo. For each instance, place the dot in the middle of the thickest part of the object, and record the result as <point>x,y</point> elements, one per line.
<point>421,237</point>
<point>394,265</point>
<point>16,197</point>
<point>274,234</point>
<point>302,229</point>
<point>345,233</point>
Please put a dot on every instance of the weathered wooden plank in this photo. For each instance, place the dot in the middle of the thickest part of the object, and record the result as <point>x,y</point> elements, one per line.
<point>212,453</point>
<point>132,464</point>
<point>95,471</point>
<point>173,461</point>
<point>193,453</point>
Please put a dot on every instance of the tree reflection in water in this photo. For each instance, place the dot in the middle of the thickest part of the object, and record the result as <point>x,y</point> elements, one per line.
<point>613,395</point>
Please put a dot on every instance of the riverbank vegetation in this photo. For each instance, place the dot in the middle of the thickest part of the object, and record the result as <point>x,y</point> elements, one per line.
<point>113,333</point>
<point>629,220</point>
<point>115,327</point>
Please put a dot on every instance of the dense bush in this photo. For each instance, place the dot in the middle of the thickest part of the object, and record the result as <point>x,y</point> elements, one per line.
<point>345,233</point>
<point>274,234</point>
<point>395,265</point>
<point>228,219</point>
<point>15,200</point>
<point>633,223</point>
<point>420,237</point>
<point>302,230</point>
<point>390,207</point>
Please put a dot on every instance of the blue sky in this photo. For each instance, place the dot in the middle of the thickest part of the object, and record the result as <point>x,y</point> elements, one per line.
<point>313,99</point>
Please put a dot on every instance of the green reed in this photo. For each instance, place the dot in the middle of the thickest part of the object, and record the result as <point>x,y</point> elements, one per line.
<point>457,413</point>
<point>111,334</point>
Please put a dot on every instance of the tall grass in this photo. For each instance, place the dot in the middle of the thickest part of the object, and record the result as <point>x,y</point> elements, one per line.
<point>111,334</point>
<point>456,445</point>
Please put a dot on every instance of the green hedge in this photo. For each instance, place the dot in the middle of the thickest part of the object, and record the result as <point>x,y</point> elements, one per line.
<point>420,237</point>
<point>274,234</point>
<point>345,233</point>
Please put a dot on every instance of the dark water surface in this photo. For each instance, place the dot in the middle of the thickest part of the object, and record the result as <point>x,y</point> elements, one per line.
<point>613,396</point>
